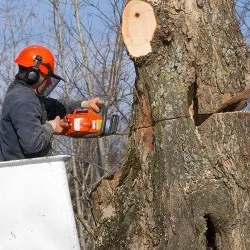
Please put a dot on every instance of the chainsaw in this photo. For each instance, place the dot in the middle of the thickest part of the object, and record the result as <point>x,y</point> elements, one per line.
<point>86,123</point>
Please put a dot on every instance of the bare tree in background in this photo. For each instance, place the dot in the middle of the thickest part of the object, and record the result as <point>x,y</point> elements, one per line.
<point>99,68</point>
<point>243,14</point>
<point>15,34</point>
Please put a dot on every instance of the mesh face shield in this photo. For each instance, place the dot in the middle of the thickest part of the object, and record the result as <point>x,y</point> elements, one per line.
<point>49,89</point>
<point>55,79</point>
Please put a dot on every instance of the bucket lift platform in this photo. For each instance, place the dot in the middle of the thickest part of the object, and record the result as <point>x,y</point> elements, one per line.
<point>35,206</point>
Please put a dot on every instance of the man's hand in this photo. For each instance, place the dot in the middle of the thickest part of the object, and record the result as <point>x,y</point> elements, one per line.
<point>58,125</point>
<point>92,103</point>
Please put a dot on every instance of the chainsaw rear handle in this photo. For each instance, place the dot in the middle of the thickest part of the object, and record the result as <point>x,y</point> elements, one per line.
<point>113,124</point>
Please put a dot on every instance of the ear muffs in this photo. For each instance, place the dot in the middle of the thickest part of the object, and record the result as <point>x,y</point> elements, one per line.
<point>33,74</point>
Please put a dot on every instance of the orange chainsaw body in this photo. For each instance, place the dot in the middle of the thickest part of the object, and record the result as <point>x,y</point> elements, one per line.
<point>82,122</point>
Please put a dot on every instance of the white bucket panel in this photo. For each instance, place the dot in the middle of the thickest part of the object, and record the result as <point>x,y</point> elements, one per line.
<point>35,206</point>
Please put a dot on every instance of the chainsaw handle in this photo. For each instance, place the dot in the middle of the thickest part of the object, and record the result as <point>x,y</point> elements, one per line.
<point>86,109</point>
<point>80,110</point>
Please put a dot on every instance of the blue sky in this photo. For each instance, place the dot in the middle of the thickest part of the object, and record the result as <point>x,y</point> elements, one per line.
<point>244,17</point>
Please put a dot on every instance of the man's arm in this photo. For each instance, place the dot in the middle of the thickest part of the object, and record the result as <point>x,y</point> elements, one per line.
<point>56,108</point>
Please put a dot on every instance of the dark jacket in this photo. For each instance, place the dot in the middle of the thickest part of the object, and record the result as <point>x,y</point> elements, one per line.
<point>24,132</point>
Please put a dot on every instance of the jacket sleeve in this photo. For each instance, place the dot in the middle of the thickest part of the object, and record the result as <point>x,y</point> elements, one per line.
<point>56,108</point>
<point>26,120</point>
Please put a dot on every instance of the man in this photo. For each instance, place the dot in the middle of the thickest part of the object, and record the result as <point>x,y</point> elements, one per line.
<point>29,119</point>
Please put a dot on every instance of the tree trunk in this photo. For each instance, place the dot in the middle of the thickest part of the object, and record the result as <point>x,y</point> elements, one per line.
<point>185,184</point>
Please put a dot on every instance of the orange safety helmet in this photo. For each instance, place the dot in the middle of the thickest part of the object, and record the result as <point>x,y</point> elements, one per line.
<point>27,56</point>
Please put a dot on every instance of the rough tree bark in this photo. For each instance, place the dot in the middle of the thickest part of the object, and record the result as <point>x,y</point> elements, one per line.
<point>185,184</point>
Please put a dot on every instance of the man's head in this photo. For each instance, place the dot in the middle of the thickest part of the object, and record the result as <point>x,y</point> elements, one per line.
<point>36,67</point>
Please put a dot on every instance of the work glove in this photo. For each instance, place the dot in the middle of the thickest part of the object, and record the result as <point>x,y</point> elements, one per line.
<point>92,103</point>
